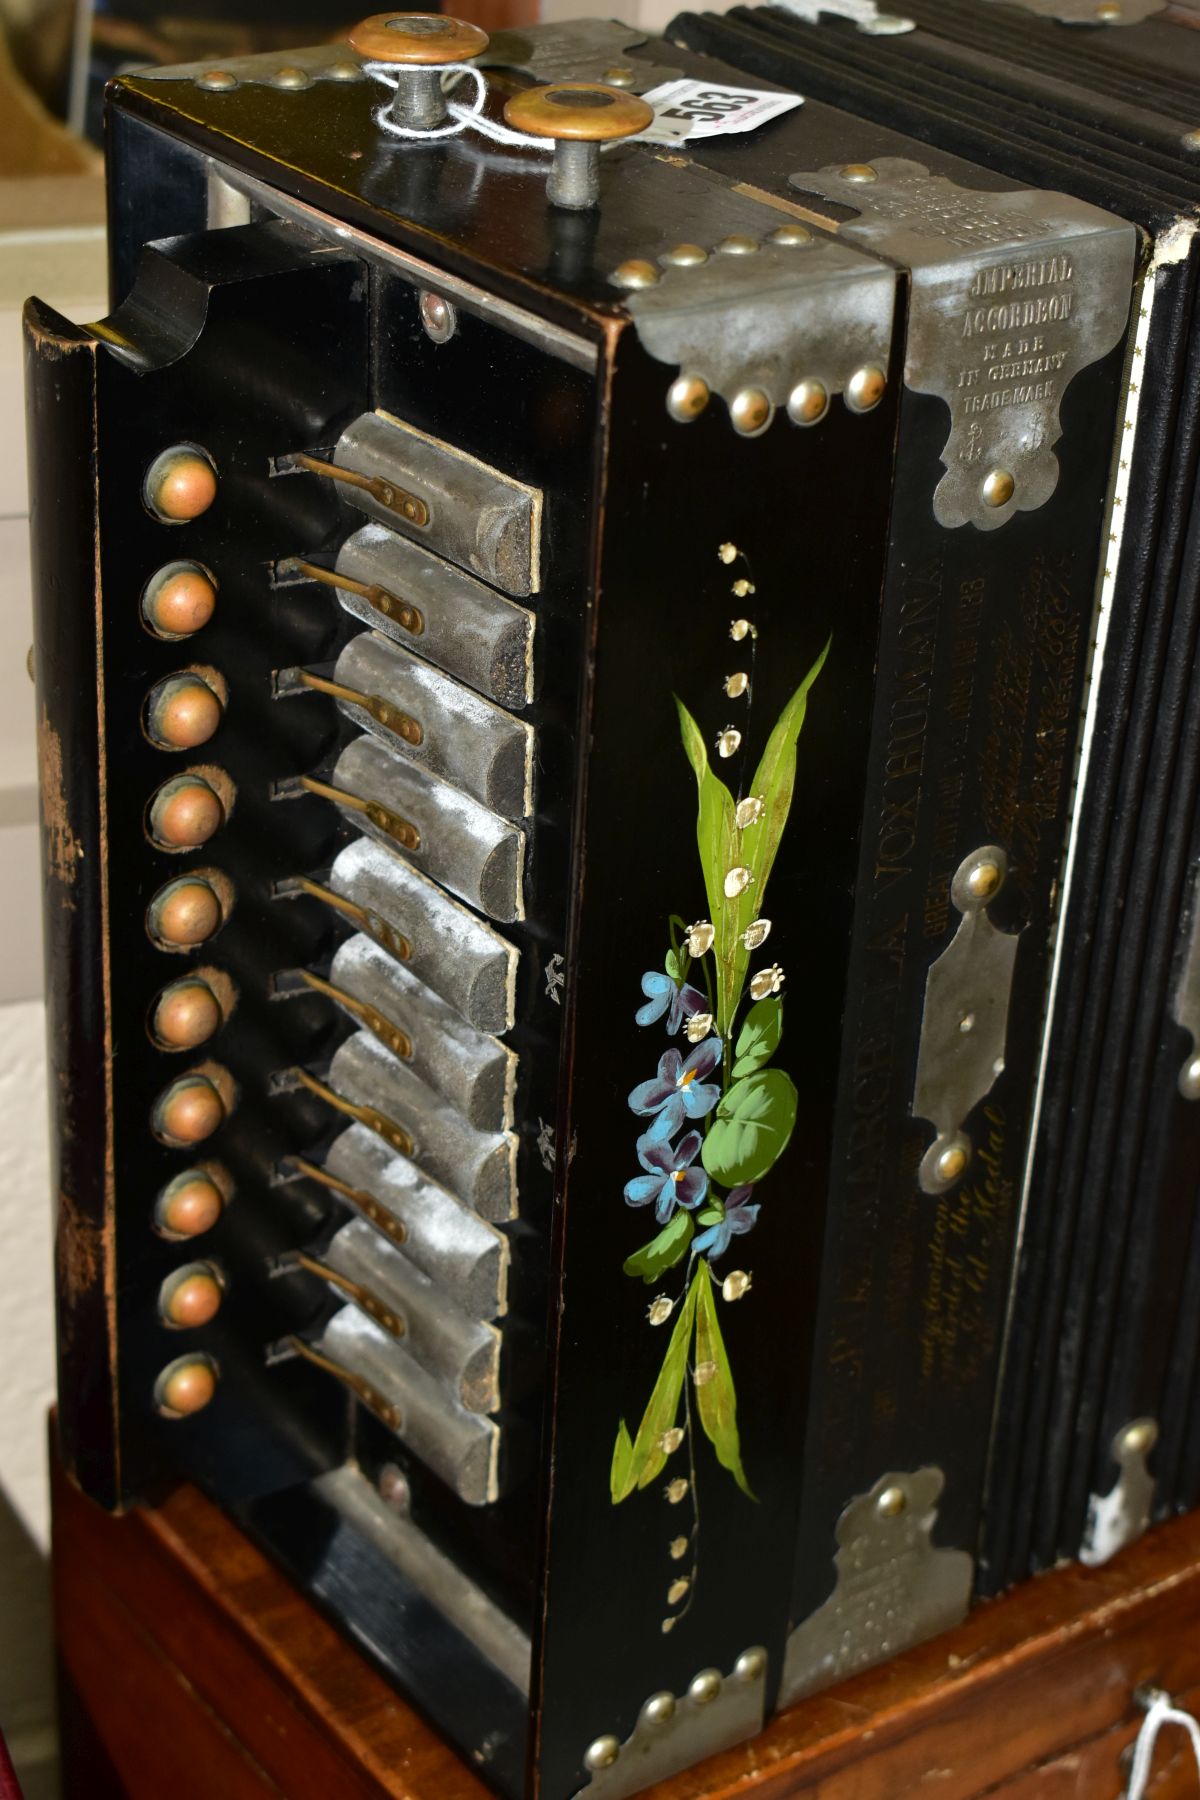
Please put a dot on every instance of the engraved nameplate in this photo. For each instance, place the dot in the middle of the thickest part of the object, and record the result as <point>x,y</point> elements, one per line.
<point>1013,294</point>
<point>893,1588</point>
<point>479,518</point>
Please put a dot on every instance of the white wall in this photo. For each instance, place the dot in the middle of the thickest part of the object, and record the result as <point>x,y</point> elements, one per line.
<point>64,264</point>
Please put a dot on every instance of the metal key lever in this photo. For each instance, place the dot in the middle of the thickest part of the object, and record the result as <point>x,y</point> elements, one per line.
<point>365,1203</point>
<point>401,612</point>
<point>396,1040</point>
<point>379,709</point>
<point>370,1116</point>
<point>360,916</point>
<point>382,817</point>
<point>359,1386</point>
<point>384,493</point>
<point>370,1303</point>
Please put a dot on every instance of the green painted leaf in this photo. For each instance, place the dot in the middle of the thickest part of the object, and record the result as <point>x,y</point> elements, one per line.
<point>664,1251</point>
<point>717,840</point>
<point>620,1480</point>
<point>710,1215</point>
<point>759,1037</point>
<point>716,1400</point>
<point>649,1458</point>
<point>753,1123</point>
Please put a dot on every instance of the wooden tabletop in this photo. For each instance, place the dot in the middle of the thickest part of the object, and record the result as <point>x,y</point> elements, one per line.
<point>194,1668</point>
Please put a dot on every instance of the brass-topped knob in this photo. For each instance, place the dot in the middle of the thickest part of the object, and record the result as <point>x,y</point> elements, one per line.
<point>579,116</point>
<point>411,42</point>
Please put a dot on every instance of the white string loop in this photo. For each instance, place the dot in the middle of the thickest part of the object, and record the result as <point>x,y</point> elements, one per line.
<point>1161,1713</point>
<point>462,118</point>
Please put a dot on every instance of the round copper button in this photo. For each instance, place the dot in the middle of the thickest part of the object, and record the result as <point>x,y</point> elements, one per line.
<point>186,1386</point>
<point>181,484</point>
<point>189,1111</point>
<point>191,1297</point>
<point>187,1013</point>
<point>185,813</point>
<point>182,712</point>
<point>179,601</point>
<point>184,914</point>
<point>189,1206</point>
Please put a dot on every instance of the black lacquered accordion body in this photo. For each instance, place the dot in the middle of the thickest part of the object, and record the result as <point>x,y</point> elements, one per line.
<point>564,633</point>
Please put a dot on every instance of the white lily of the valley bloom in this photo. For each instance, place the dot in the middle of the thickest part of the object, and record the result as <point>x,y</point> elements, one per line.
<point>736,882</point>
<point>675,1490</point>
<point>729,742</point>
<point>669,1624</point>
<point>748,812</point>
<point>735,1284</point>
<point>703,1373</point>
<point>741,628</point>
<point>699,1026</point>
<point>767,981</point>
<point>700,938</point>
<point>736,685</point>
<point>660,1310</point>
<point>727,552</point>
<point>756,934</point>
<point>677,1590</point>
<point>743,587</point>
<point>670,1440</point>
<point>677,1549</point>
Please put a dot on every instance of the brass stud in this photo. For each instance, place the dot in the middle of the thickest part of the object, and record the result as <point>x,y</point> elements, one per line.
<point>191,1297</point>
<point>189,1111</point>
<point>659,1708</point>
<point>704,1687</point>
<point>621,78</point>
<point>180,485</point>
<point>865,388</point>
<point>184,914</point>
<point>792,237</point>
<point>183,713</point>
<point>738,245</point>
<point>751,1664</point>
<point>602,1753</point>
<point>291,78</point>
<point>185,813</point>
<point>439,319</point>
<point>189,1206</point>
<point>687,397</point>
<point>892,1502</point>
<point>187,1013</point>
<point>951,1163</point>
<point>998,488</point>
<point>217,81</point>
<point>1189,1079</point>
<point>859,173</point>
<point>1137,1439</point>
<point>635,273</point>
<point>984,880</point>
<point>1108,12</point>
<point>751,412</point>
<point>808,402</point>
<point>685,256</point>
<point>1191,139</point>
<point>345,71</point>
<point>186,1386</point>
<point>179,601</point>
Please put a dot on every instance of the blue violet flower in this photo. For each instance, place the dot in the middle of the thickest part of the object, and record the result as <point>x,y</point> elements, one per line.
<point>739,1219</point>
<point>670,1180</point>
<point>679,1090</point>
<point>661,993</point>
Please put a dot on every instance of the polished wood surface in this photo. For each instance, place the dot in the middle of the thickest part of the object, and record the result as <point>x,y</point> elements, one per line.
<point>193,1668</point>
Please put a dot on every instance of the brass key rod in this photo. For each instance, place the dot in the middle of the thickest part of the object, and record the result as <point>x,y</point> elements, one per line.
<point>365,1203</point>
<point>401,612</point>
<point>353,1290</point>
<point>370,1396</point>
<point>370,1116</point>
<point>369,922</point>
<point>381,710</point>
<point>380,816</point>
<point>384,493</point>
<point>397,1041</point>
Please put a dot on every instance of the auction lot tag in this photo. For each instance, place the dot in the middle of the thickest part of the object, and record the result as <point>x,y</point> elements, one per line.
<point>698,109</point>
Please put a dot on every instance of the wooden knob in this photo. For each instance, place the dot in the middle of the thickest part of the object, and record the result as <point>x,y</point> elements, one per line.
<point>578,111</point>
<point>416,38</point>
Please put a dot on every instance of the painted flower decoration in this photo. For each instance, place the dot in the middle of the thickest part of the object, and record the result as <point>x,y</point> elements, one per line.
<point>670,1180</point>
<point>679,1090</point>
<point>766,982</point>
<point>740,1217</point>
<point>662,996</point>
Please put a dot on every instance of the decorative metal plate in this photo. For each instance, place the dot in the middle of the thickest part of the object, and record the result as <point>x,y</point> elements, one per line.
<point>675,1731</point>
<point>578,50</point>
<point>1092,12</point>
<point>1123,1514</point>
<point>866,15</point>
<point>893,1588</point>
<point>1013,294</point>
<point>292,71</point>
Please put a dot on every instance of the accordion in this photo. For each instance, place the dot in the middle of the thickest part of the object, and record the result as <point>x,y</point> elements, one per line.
<point>618,743</point>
